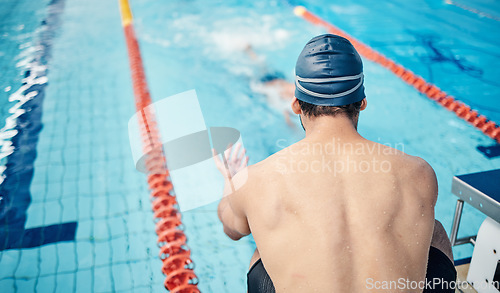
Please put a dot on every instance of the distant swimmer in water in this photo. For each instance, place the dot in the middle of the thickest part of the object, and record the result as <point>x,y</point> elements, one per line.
<point>278,91</point>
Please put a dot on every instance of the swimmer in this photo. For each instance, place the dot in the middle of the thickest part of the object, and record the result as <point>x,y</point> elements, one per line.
<point>278,91</point>
<point>335,212</point>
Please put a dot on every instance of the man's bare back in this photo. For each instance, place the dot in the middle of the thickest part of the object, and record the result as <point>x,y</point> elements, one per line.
<point>321,229</point>
<point>334,212</point>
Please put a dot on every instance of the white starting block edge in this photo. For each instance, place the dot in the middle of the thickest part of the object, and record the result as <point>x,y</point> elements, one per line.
<point>485,258</point>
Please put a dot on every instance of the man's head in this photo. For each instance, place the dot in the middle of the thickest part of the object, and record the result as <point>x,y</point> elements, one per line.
<point>329,79</point>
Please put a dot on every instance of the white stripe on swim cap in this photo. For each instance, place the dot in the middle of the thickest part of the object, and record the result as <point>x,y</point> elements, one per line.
<point>327,80</point>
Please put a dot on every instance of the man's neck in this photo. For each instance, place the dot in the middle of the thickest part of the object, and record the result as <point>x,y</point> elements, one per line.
<point>328,127</point>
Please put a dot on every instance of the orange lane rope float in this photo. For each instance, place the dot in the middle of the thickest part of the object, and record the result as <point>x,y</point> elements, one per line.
<point>463,111</point>
<point>174,253</point>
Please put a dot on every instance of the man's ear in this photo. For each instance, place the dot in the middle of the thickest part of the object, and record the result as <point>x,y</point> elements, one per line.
<point>296,106</point>
<point>364,103</point>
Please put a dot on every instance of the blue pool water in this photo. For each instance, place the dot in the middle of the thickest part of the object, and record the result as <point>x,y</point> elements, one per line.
<point>79,191</point>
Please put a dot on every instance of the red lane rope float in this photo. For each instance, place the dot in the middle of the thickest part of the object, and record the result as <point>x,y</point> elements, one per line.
<point>463,111</point>
<point>174,253</point>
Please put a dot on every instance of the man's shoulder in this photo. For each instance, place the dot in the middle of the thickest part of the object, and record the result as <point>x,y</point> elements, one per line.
<point>249,177</point>
<point>267,170</point>
<point>268,165</point>
<point>403,160</point>
<point>414,171</point>
<point>421,176</point>
<point>418,166</point>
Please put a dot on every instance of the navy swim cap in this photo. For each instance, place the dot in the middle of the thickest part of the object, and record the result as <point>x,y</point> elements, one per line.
<point>329,72</point>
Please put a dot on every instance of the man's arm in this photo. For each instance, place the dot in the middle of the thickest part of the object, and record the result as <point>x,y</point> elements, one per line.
<point>232,216</point>
<point>426,181</point>
<point>231,207</point>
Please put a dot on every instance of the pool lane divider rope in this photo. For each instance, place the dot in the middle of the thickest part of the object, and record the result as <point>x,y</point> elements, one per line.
<point>472,10</point>
<point>463,111</point>
<point>174,253</point>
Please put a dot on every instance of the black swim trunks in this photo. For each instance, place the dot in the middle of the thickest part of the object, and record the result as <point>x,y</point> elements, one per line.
<point>441,269</point>
<point>258,280</point>
<point>438,266</point>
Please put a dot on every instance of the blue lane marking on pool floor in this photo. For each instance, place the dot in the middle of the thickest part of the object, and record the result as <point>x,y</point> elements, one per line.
<point>15,189</point>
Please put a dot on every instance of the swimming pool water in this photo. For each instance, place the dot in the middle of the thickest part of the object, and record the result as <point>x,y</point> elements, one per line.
<point>83,171</point>
<point>447,45</point>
